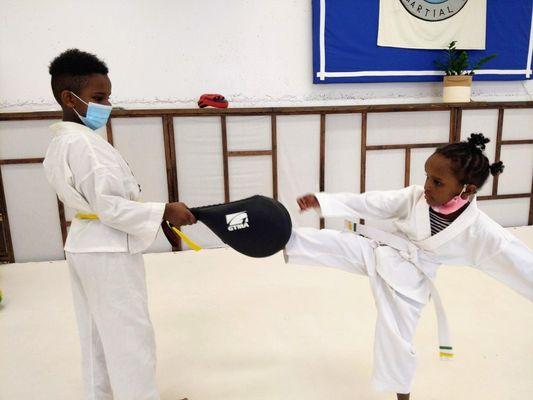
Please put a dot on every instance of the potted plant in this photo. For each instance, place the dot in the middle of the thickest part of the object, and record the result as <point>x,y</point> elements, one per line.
<point>458,74</point>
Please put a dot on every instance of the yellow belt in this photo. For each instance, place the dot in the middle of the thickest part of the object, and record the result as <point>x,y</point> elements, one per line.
<point>183,236</point>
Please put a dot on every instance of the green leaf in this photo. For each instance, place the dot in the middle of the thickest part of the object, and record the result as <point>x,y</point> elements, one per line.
<point>456,61</point>
<point>482,61</point>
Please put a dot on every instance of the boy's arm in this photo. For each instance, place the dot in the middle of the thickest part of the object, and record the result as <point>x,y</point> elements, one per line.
<point>106,196</point>
<point>104,190</point>
<point>369,205</point>
<point>100,180</point>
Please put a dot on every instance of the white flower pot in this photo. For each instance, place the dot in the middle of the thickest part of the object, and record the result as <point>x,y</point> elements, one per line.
<point>457,88</point>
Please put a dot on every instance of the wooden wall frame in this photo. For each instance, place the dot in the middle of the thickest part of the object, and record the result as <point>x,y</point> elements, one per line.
<point>167,119</point>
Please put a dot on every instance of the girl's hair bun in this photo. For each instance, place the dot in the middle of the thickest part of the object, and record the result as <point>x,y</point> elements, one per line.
<point>496,168</point>
<point>477,141</point>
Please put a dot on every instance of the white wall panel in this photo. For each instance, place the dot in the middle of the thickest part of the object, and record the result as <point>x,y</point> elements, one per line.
<point>140,141</point>
<point>298,163</point>
<point>249,176</point>
<point>418,160</point>
<point>343,157</point>
<point>385,169</point>
<point>517,124</point>
<point>25,139</point>
<point>486,122</point>
<point>33,214</point>
<point>343,153</point>
<point>408,127</point>
<point>199,161</point>
<point>517,175</point>
<point>249,133</point>
<point>508,212</point>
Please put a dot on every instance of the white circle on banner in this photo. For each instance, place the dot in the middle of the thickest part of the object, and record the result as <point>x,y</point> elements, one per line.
<point>433,10</point>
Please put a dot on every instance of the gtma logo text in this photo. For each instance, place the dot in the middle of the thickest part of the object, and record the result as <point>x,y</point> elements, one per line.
<point>237,221</point>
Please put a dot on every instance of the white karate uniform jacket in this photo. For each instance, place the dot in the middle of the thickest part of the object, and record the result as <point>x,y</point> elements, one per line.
<point>473,239</point>
<point>90,176</point>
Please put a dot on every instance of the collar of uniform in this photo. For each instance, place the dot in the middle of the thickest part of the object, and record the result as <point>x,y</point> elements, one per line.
<point>64,127</point>
<point>461,223</point>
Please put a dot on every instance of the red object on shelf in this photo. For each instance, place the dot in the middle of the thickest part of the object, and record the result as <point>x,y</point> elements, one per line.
<point>212,100</point>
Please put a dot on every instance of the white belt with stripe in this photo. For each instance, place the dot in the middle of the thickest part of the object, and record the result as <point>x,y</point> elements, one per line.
<point>410,252</point>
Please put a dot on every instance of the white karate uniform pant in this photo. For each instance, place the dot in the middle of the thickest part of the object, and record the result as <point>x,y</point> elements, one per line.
<point>116,334</point>
<point>397,315</point>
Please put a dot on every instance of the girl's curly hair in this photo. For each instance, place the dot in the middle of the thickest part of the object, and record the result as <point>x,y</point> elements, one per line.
<point>469,163</point>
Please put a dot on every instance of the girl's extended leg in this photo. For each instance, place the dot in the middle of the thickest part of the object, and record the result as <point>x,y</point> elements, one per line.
<point>398,315</point>
<point>330,248</point>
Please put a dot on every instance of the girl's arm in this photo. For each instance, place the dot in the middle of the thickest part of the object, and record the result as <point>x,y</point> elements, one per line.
<point>369,205</point>
<point>513,266</point>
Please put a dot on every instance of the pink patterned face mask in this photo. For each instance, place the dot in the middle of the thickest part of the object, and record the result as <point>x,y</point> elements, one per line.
<point>453,205</point>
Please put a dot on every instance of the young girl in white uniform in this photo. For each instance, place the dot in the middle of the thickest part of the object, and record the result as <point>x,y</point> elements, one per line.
<point>105,241</point>
<point>435,224</point>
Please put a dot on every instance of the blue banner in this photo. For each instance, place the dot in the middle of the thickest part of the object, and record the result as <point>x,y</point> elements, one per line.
<point>345,45</point>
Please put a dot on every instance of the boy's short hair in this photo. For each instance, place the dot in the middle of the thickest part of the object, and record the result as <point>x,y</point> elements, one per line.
<point>70,70</point>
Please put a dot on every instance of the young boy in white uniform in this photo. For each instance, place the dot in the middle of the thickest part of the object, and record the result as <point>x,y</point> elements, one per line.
<point>105,241</point>
<point>435,224</point>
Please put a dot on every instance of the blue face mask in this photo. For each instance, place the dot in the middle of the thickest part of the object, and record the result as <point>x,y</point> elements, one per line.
<point>96,115</point>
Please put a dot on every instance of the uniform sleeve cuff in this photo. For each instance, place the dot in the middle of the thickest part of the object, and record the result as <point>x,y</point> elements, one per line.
<point>325,204</point>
